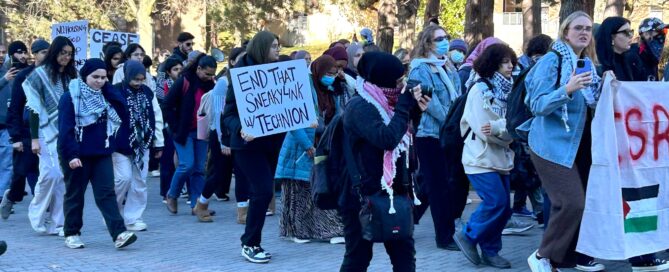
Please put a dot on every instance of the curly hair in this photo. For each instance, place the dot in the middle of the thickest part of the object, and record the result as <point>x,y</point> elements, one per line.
<point>492,57</point>
<point>424,44</point>
<point>538,45</point>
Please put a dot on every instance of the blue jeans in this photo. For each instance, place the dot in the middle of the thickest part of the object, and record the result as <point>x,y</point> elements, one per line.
<point>487,222</point>
<point>192,156</point>
<point>6,161</point>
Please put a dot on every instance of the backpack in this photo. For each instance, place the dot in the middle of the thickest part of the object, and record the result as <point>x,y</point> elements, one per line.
<point>517,111</point>
<point>334,166</point>
<point>450,136</point>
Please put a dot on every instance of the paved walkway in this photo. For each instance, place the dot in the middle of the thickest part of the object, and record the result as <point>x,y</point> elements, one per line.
<point>180,243</point>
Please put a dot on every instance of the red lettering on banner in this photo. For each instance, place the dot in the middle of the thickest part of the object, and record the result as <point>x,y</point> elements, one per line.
<point>657,137</point>
<point>635,133</point>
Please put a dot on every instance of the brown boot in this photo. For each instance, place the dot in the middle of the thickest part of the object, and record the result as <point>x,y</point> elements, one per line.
<point>271,210</point>
<point>171,204</point>
<point>241,215</point>
<point>202,212</point>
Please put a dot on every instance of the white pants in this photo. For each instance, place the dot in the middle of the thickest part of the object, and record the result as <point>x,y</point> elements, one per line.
<point>130,186</point>
<point>49,192</point>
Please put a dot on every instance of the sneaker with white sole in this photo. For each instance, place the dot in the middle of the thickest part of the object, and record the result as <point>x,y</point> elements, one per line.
<point>300,241</point>
<point>591,266</point>
<point>514,226</point>
<point>125,239</point>
<point>6,205</point>
<point>155,173</point>
<point>74,242</point>
<point>539,264</point>
<point>337,240</point>
<point>137,226</point>
<point>654,265</point>
<point>255,254</point>
<point>469,201</point>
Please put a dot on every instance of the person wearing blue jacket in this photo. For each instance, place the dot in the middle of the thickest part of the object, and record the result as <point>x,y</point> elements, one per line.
<point>429,67</point>
<point>300,219</point>
<point>88,120</point>
<point>136,135</point>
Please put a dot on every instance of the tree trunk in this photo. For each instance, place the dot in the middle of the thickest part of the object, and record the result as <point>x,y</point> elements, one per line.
<point>570,6</point>
<point>478,21</point>
<point>387,21</point>
<point>142,10</point>
<point>431,10</point>
<point>531,20</point>
<point>614,8</point>
<point>406,18</point>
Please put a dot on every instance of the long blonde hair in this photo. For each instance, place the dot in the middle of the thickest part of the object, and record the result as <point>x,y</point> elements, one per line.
<point>588,51</point>
<point>423,47</point>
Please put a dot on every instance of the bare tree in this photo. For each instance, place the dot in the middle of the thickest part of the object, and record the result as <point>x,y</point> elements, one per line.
<point>142,10</point>
<point>406,19</point>
<point>614,8</point>
<point>568,7</point>
<point>431,10</point>
<point>531,20</point>
<point>387,20</point>
<point>478,21</point>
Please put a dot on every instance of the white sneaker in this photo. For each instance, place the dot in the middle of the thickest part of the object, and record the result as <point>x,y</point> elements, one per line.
<point>61,232</point>
<point>74,242</point>
<point>155,173</point>
<point>124,239</point>
<point>469,201</point>
<point>138,226</point>
<point>40,229</point>
<point>300,241</point>
<point>539,265</point>
<point>337,240</point>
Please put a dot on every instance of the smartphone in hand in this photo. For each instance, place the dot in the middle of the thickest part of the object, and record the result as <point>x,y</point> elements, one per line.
<point>583,66</point>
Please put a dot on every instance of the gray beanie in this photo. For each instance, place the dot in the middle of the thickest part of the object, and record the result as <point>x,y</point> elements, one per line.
<point>39,45</point>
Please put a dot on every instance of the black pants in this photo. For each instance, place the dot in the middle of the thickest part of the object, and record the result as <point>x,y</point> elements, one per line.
<point>359,251</point>
<point>242,187</point>
<point>25,167</point>
<point>167,167</point>
<point>219,169</point>
<point>99,171</point>
<point>258,167</point>
<point>435,189</point>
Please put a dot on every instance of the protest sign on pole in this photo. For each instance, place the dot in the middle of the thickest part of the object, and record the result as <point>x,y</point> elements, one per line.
<point>77,32</point>
<point>98,38</point>
<point>627,199</point>
<point>274,98</point>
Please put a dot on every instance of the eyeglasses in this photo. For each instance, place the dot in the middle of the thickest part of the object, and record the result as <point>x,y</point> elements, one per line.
<point>627,32</point>
<point>441,38</point>
<point>581,28</point>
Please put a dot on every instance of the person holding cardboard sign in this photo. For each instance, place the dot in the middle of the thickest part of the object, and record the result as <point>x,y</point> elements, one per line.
<point>257,158</point>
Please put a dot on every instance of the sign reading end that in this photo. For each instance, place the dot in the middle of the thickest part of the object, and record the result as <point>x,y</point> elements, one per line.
<point>273,98</point>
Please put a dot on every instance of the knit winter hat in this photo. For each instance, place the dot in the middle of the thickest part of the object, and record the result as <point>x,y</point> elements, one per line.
<point>381,69</point>
<point>39,45</point>
<point>91,66</point>
<point>17,47</point>
<point>459,44</point>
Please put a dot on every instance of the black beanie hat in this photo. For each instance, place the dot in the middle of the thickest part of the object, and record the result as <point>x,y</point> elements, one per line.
<point>381,69</point>
<point>91,66</point>
<point>184,36</point>
<point>16,47</point>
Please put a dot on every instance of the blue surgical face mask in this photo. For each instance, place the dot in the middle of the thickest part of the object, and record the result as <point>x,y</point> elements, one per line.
<point>456,56</point>
<point>327,81</point>
<point>442,47</point>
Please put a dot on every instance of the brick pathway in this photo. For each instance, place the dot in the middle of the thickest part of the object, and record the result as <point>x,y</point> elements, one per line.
<point>180,243</point>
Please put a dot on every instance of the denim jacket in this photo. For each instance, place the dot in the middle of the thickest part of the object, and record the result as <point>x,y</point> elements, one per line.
<point>548,136</point>
<point>437,109</point>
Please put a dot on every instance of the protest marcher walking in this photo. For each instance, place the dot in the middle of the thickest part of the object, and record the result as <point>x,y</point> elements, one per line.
<point>301,220</point>
<point>486,157</point>
<point>256,158</point>
<point>304,55</point>
<point>43,89</point>
<point>563,162</point>
<point>164,81</point>
<point>113,59</point>
<point>25,163</point>
<point>428,67</point>
<point>181,106</point>
<point>376,123</point>
<point>134,138</point>
<point>613,40</point>
<point>457,52</point>
<point>136,52</point>
<point>652,34</point>
<point>340,87</point>
<point>465,72</point>
<point>88,119</point>
<point>184,46</point>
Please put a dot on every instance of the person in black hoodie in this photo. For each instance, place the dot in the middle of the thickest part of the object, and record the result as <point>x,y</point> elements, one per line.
<point>376,121</point>
<point>88,119</point>
<point>184,46</point>
<point>25,163</point>
<point>256,158</point>
<point>181,105</point>
<point>613,52</point>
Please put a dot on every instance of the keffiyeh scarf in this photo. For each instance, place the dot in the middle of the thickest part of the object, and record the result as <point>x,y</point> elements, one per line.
<point>89,106</point>
<point>42,97</point>
<point>141,130</point>
<point>496,98</point>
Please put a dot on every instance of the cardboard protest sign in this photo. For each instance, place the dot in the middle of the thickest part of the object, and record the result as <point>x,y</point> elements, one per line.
<point>627,199</point>
<point>77,32</point>
<point>274,98</point>
<point>98,38</point>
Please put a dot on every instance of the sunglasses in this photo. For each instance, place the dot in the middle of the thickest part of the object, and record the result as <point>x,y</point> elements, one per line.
<point>441,38</point>
<point>627,32</point>
<point>189,44</point>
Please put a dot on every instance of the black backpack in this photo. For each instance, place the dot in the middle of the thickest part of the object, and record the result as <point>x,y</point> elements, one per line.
<point>331,172</point>
<point>517,112</point>
<point>450,135</point>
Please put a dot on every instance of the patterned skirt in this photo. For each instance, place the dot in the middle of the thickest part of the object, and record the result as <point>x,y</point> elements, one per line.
<point>300,218</point>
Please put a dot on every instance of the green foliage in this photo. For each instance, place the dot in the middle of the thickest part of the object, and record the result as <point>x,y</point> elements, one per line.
<point>451,16</point>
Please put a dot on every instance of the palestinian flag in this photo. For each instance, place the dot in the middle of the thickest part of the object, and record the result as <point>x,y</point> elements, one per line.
<point>640,208</point>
